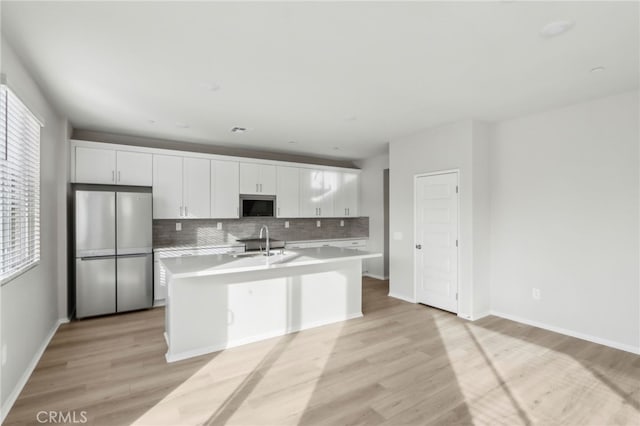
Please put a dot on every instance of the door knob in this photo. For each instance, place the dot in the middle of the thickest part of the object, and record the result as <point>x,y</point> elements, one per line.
<point>418,246</point>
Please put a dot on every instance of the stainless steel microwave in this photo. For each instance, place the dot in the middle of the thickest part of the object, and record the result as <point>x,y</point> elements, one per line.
<point>257,205</point>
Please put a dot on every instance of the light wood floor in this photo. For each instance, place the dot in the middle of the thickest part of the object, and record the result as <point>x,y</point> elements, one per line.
<point>400,364</point>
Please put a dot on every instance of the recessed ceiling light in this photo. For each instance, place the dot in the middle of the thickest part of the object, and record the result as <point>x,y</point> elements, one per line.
<point>293,142</point>
<point>151,121</point>
<point>335,148</point>
<point>555,28</point>
<point>238,130</point>
<point>212,87</point>
<point>182,125</point>
<point>597,70</point>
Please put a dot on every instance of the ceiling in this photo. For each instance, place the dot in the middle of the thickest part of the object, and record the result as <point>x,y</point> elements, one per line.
<point>335,80</point>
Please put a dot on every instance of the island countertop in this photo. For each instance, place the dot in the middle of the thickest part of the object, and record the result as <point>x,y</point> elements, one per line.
<point>218,264</point>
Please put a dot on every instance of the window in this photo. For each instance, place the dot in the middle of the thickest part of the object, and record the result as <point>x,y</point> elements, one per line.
<point>19,186</point>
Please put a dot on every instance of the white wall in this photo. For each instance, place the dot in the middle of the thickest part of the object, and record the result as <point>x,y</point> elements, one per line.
<point>372,205</point>
<point>33,303</point>
<point>440,148</point>
<point>565,219</point>
<point>481,240</point>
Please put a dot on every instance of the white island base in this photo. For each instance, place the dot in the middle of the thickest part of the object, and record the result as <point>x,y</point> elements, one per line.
<point>216,302</point>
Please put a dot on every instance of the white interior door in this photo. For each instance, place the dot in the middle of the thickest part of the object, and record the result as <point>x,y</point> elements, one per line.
<point>436,240</point>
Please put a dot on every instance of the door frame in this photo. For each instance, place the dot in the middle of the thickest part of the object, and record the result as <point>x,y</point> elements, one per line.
<point>415,223</point>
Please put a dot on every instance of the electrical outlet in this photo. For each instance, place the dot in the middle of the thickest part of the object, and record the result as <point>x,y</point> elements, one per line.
<point>317,224</point>
<point>286,223</point>
<point>219,226</point>
<point>178,226</point>
<point>536,294</point>
<point>4,354</point>
<point>342,223</point>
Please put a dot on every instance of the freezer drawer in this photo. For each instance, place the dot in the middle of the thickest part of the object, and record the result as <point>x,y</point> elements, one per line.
<point>95,286</point>
<point>95,215</point>
<point>134,283</point>
<point>134,222</point>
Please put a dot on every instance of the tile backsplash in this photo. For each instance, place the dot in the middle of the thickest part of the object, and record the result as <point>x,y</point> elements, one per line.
<point>204,232</point>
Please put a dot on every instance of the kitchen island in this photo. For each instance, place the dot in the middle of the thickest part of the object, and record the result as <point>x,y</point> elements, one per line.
<point>222,300</point>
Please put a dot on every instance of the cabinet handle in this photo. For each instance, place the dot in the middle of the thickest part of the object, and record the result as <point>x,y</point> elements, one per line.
<point>319,211</point>
<point>180,211</point>
<point>113,176</point>
<point>348,212</point>
<point>257,188</point>
<point>260,187</point>
<point>185,211</point>
<point>278,211</point>
<point>118,175</point>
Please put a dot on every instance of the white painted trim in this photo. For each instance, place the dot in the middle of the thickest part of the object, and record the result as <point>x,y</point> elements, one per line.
<point>480,315</point>
<point>377,277</point>
<point>415,274</point>
<point>401,297</point>
<point>251,339</point>
<point>158,303</point>
<point>567,332</point>
<point>13,395</point>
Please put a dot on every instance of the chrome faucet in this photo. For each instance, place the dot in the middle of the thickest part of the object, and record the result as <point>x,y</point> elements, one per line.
<point>265,228</point>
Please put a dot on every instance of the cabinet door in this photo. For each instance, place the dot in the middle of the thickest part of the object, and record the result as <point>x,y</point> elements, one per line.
<point>167,187</point>
<point>95,165</point>
<point>346,195</point>
<point>134,168</point>
<point>196,188</point>
<point>249,178</point>
<point>329,187</point>
<point>267,182</point>
<point>287,196</point>
<point>312,192</point>
<point>225,189</point>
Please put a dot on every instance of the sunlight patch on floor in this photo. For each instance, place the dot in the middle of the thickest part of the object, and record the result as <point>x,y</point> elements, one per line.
<point>254,391</point>
<point>530,398</point>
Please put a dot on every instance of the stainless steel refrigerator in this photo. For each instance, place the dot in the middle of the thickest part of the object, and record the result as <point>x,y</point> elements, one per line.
<point>113,250</point>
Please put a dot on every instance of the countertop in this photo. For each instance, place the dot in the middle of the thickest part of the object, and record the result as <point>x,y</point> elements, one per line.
<point>236,244</point>
<point>218,264</point>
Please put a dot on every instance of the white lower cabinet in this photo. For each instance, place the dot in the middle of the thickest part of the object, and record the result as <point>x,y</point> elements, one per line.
<point>160,276</point>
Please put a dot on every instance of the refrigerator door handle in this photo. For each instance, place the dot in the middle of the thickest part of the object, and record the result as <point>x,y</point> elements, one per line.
<point>97,257</point>
<point>120,256</point>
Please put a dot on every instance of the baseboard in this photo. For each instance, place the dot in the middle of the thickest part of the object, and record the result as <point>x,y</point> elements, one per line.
<point>377,277</point>
<point>397,296</point>
<point>480,315</point>
<point>13,396</point>
<point>159,303</point>
<point>582,336</point>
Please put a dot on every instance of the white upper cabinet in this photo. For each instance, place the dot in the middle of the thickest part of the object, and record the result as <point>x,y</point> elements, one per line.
<point>111,166</point>
<point>317,189</point>
<point>225,189</point>
<point>180,187</point>
<point>288,192</point>
<point>134,168</point>
<point>346,194</point>
<point>167,187</point>
<point>196,184</point>
<point>95,165</point>
<point>257,179</point>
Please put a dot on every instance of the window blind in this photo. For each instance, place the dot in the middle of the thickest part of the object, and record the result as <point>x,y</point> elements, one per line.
<point>19,186</point>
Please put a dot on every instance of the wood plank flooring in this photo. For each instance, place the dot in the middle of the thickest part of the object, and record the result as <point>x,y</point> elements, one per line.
<point>399,364</point>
